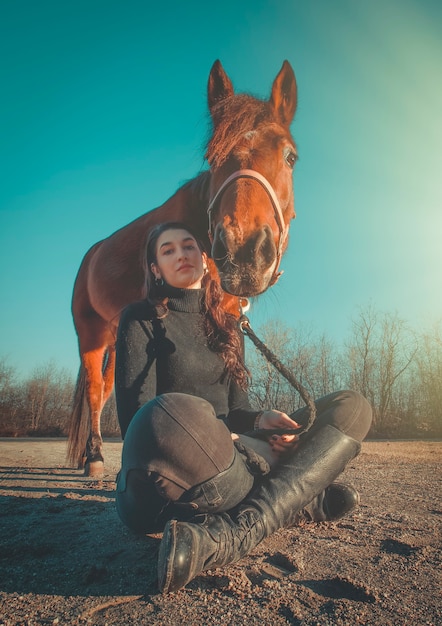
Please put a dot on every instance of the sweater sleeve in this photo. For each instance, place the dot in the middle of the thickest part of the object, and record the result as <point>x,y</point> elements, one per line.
<point>135,371</point>
<point>241,418</point>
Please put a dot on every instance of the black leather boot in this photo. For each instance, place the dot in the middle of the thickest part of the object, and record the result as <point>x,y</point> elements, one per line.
<point>208,541</point>
<point>331,504</point>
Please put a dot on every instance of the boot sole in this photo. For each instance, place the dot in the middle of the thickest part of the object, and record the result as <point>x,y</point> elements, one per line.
<point>166,557</point>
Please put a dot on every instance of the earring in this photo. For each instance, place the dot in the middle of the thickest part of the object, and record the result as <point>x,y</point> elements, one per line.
<point>159,282</point>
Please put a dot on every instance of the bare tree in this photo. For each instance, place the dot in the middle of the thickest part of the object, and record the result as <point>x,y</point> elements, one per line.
<point>429,380</point>
<point>328,367</point>
<point>269,389</point>
<point>10,400</point>
<point>313,361</point>
<point>380,350</point>
<point>47,397</point>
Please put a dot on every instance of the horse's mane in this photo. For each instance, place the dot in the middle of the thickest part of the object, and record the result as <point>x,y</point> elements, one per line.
<point>232,118</point>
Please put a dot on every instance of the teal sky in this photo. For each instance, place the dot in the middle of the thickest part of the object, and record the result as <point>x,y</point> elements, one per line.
<point>103,115</point>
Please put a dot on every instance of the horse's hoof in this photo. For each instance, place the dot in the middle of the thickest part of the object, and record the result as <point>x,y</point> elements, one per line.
<point>94,469</point>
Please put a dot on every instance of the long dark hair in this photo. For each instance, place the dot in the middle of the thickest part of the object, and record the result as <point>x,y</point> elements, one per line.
<point>220,327</point>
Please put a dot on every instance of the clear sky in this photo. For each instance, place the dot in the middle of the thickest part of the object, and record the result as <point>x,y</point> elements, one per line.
<point>103,115</point>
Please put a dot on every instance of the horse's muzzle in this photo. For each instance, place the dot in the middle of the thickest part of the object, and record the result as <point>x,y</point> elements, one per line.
<point>246,268</point>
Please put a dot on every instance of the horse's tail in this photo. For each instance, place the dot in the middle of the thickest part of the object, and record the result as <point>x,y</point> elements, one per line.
<point>79,426</point>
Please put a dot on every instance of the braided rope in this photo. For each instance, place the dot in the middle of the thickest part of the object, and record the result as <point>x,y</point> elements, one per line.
<point>246,329</point>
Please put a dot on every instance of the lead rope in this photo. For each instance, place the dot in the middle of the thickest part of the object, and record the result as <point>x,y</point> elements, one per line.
<point>247,330</point>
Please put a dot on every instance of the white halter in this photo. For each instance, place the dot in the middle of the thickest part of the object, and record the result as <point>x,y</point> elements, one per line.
<point>283,229</point>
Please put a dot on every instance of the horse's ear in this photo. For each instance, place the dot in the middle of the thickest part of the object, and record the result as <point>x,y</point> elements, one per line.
<point>284,96</point>
<point>219,86</point>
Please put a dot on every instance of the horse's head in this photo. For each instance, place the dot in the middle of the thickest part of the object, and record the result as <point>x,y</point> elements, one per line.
<point>251,155</point>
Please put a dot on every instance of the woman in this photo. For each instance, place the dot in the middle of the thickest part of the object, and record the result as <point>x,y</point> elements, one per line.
<point>181,398</point>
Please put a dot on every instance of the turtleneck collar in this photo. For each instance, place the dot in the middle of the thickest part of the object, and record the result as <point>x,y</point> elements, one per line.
<point>185,300</point>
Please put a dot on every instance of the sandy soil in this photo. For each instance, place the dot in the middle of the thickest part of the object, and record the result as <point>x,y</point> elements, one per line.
<point>66,559</point>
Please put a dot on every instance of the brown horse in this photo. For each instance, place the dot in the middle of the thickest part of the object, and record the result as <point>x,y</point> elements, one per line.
<point>240,208</point>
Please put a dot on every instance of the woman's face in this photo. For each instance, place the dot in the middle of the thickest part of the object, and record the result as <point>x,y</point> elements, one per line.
<point>180,262</point>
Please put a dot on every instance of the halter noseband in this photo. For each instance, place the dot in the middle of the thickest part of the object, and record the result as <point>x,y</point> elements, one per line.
<point>253,174</point>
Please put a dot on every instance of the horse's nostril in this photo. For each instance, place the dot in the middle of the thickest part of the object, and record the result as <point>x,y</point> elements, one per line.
<point>262,245</point>
<point>269,247</point>
<point>219,248</point>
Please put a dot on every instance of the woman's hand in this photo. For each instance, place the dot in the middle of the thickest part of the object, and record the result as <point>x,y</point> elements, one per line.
<point>277,419</point>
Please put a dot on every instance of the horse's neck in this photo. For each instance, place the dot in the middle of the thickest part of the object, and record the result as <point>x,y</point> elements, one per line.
<point>189,204</point>
<point>195,198</point>
<point>200,186</point>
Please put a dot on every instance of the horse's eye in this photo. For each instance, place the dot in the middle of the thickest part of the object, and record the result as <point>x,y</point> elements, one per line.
<point>290,157</point>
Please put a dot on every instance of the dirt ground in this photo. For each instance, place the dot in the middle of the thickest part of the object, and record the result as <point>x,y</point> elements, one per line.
<point>65,558</point>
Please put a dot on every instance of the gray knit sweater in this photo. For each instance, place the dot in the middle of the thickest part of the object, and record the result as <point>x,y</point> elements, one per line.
<point>171,355</point>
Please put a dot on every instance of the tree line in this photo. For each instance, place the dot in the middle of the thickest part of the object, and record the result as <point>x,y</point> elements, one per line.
<point>40,405</point>
<point>397,369</point>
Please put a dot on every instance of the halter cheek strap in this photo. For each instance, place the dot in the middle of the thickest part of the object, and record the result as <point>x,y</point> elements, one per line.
<point>254,175</point>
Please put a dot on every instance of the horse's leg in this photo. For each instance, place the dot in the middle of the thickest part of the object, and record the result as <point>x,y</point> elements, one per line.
<point>93,365</point>
<point>109,373</point>
<point>97,339</point>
